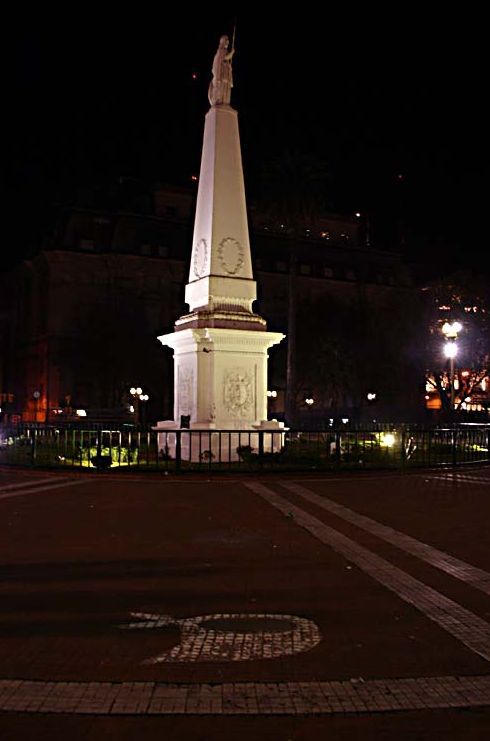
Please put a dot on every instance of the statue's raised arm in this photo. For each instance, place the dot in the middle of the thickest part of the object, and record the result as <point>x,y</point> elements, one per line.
<point>220,86</point>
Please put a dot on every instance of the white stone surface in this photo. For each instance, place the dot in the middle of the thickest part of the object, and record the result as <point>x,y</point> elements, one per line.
<point>220,375</point>
<point>221,346</point>
<point>221,267</point>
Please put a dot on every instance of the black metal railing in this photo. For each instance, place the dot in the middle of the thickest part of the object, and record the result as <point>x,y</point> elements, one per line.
<point>100,448</point>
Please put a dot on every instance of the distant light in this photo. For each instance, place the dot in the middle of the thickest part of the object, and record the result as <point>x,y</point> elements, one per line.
<point>387,439</point>
<point>81,412</point>
<point>272,394</point>
<point>427,397</point>
<point>131,408</point>
<point>358,215</point>
<point>399,176</point>
<point>132,390</point>
<point>450,349</point>
<point>194,76</point>
<point>465,374</point>
<point>139,390</point>
<point>451,330</point>
<point>371,396</point>
<point>309,401</point>
<point>345,420</point>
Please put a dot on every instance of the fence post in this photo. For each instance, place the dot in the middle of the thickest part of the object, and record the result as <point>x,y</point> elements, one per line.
<point>178,449</point>
<point>261,447</point>
<point>403,449</point>
<point>34,446</point>
<point>99,442</point>
<point>337,449</point>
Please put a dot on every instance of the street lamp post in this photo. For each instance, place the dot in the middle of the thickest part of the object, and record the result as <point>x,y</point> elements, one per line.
<point>450,351</point>
<point>138,396</point>
<point>450,332</point>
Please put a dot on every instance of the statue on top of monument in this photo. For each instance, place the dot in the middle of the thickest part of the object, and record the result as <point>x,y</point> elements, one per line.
<point>219,92</point>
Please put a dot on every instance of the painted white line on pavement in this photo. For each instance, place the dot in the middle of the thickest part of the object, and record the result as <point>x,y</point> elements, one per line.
<point>32,483</point>
<point>472,575</point>
<point>464,625</point>
<point>24,492</point>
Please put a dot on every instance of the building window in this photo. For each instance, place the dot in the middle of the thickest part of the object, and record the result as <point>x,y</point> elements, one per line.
<point>328,272</point>
<point>87,245</point>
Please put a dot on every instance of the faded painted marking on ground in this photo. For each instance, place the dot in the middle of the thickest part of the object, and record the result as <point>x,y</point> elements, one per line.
<point>472,575</point>
<point>34,490</point>
<point>464,625</point>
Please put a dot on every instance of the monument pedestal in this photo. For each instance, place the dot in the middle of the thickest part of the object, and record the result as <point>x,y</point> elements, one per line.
<point>220,383</point>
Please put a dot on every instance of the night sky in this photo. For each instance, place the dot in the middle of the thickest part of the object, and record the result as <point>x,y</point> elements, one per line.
<point>391,106</point>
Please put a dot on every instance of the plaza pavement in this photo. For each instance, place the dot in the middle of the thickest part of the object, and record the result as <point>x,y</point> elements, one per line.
<point>288,607</point>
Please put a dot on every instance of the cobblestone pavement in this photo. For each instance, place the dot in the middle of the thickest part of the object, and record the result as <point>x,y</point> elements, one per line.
<point>283,542</point>
<point>283,698</point>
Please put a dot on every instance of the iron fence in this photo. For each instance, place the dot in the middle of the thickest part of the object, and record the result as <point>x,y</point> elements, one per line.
<point>100,448</point>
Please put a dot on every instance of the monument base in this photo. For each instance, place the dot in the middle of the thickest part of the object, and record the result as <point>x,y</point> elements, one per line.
<point>203,443</point>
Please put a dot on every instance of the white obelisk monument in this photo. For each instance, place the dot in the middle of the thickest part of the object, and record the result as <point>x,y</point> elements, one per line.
<point>220,347</point>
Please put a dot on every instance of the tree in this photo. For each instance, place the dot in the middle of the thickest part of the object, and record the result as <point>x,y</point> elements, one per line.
<point>462,298</point>
<point>346,350</point>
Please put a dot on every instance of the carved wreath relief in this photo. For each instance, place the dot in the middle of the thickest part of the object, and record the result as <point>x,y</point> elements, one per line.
<point>200,258</point>
<point>238,391</point>
<point>230,255</point>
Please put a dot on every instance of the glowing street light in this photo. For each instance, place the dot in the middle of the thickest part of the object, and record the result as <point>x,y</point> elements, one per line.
<point>450,332</point>
<point>450,350</point>
<point>138,395</point>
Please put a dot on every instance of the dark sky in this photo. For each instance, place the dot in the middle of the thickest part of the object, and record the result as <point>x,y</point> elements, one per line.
<point>374,97</point>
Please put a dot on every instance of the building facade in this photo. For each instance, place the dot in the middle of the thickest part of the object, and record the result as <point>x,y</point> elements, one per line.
<point>80,327</point>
